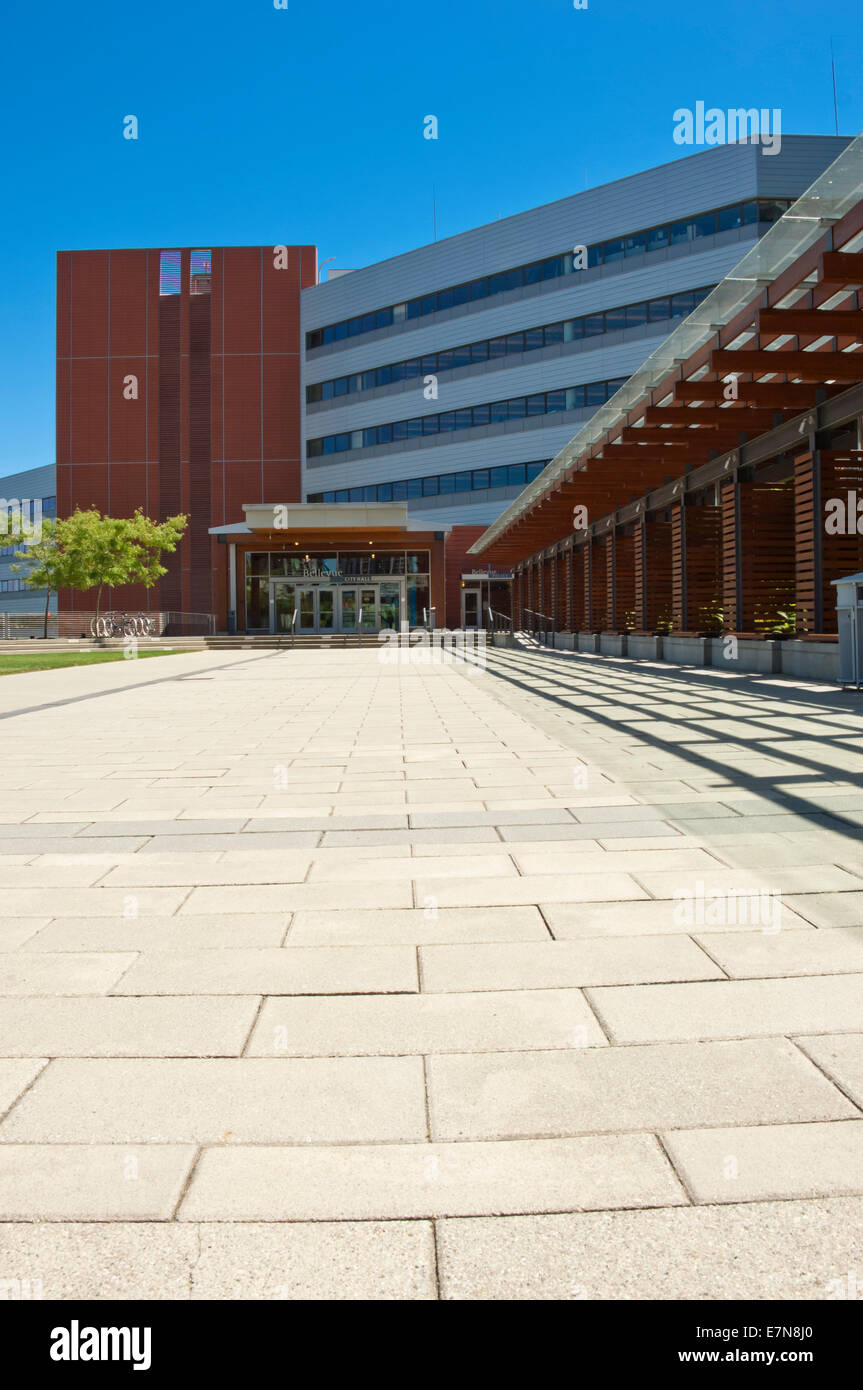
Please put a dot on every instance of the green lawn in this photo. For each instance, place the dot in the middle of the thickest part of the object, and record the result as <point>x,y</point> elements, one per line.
<point>12,662</point>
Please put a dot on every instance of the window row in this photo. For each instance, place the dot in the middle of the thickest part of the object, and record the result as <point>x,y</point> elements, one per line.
<point>601,253</point>
<point>593,393</point>
<point>437,485</point>
<point>278,564</point>
<point>669,306</point>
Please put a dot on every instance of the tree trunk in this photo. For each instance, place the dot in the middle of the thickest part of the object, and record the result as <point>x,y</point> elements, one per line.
<point>98,601</point>
<point>47,606</point>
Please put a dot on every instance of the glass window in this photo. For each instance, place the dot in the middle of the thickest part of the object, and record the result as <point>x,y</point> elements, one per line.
<point>517,408</point>
<point>657,237</point>
<point>415,428</point>
<point>461,356</point>
<point>499,412</point>
<point>461,294</point>
<point>329,444</point>
<point>385,492</point>
<point>341,331</point>
<point>400,430</point>
<point>534,470</point>
<point>593,325</point>
<point>727,218</point>
<point>340,386</point>
<point>370,380</point>
<point>635,314</point>
<point>447,482</point>
<point>533,273</point>
<point>400,492</point>
<point>445,360</point>
<point>385,434</point>
<point>418,561</point>
<point>498,477</point>
<point>446,421</point>
<point>412,368</point>
<point>383,318</point>
<point>680,232</point>
<point>343,442</point>
<point>552,268</point>
<point>314,448</point>
<point>497,347</point>
<point>428,304</point>
<point>634,245</point>
<point>430,487</point>
<point>614,318</point>
<point>430,424</point>
<point>370,436</point>
<point>536,404</point>
<point>313,393</point>
<point>555,400</point>
<point>355,326</point>
<point>533,339</point>
<point>481,415</point>
<point>479,352</point>
<point>414,486</point>
<point>445,299</point>
<point>385,375</point>
<point>506,280</point>
<point>704,225</point>
<point>414,308</point>
<point>682,304</point>
<point>750,214</point>
<point>594,255</point>
<point>480,478</point>
<point>659,309</point>
<point>552,333</point>
<point>595,393</point>
<point>573,330</point>
<point>613,251</point>
<point>514,342</point>
<point>479,288</point>
<point>429,364</point>
<point>462,482</point>
<point>770,212</point>
<point>515,474</point>
<point>463,419</point>
<point>257,563</point>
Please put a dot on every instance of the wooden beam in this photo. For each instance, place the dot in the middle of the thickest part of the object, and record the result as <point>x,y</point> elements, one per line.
<point>778,395</point>
<point>742,417</point>
<point>812,366</point>
<point>847,323</point>
<point>840,268</point>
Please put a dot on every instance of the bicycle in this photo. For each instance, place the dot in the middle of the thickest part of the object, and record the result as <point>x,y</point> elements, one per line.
<point>122,625</point>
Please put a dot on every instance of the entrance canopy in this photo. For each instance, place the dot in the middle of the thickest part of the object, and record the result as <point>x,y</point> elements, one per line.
<point>332,568</point>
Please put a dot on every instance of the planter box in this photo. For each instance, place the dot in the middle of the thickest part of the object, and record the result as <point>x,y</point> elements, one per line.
<point>502,639</point>
<point>588,641</point>
<point>612,643</point>
<point>564,641</point>
<point>686,651</point>
<point>644,647</point>
<point>759,655</point>
<point>811,661</point>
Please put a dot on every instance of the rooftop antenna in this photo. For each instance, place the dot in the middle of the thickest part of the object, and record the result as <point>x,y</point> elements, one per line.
<point>835,102</point>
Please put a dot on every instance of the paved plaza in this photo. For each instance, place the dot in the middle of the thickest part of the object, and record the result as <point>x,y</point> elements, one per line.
<point>328,978</point>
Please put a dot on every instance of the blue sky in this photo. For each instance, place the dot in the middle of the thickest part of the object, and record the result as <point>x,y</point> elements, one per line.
<point>266,126</point>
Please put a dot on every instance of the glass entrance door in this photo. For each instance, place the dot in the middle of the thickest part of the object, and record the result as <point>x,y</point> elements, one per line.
<point>350,610</point>
<point>471,603</point>
<point>326,610</point>
<point>307,620</point>
<point>369,609</point>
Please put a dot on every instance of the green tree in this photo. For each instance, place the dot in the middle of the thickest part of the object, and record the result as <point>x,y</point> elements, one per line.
<point>88,550</point>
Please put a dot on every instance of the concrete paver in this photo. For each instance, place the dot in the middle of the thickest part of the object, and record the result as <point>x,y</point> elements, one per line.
<point>333,979</point>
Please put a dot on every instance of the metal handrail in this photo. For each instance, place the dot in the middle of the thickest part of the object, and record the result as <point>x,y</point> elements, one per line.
<point>498,622</point>
<point>547,628</point>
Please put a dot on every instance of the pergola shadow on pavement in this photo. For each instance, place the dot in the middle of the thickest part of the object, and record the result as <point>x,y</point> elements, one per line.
<point>322,977</point>
<point>563,679</point>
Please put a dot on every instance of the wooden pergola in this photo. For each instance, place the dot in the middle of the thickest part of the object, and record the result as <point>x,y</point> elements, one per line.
<point>703,502</point>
